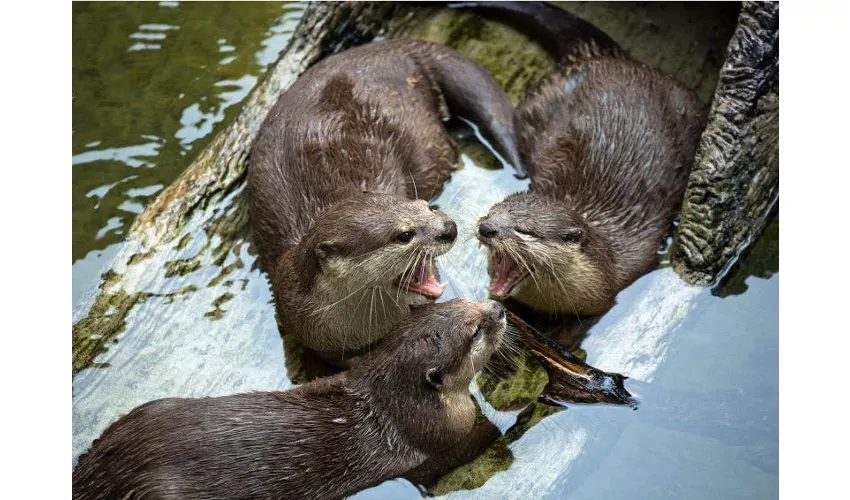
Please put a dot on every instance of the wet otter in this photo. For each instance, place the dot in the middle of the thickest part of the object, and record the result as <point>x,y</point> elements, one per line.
<point>608,143</point>
<point>405,403</point>
<point>337,180</point>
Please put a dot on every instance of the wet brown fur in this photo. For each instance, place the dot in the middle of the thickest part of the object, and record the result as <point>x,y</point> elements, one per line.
<point>334,175</point>
<point>608,143</point>
<point>405,404</point>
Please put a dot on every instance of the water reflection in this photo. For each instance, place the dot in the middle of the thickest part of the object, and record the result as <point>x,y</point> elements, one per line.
<point>137,68</point>
<point>148,94</point>
<point>761,259</point>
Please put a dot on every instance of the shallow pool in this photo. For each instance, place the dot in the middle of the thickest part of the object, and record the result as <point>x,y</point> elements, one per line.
<point>154,82</point>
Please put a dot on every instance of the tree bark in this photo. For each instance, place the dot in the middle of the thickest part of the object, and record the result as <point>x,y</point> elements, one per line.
<point>735,178</point>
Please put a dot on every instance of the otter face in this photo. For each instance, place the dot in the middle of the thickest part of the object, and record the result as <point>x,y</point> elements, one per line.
<point>544,255</point>
<point>362,265</point>
<point>381,241</point>
<point>427,365</point>
<point>453,341</point>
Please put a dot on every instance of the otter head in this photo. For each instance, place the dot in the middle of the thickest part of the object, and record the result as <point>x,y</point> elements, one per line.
<point>365,261</point>
<point>543,254</point>
<point>422,373</point>
<point>455,340</point>
<point>378,240</point>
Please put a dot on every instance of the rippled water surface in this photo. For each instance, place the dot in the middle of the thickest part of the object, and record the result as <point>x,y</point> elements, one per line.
<point>153,82</point>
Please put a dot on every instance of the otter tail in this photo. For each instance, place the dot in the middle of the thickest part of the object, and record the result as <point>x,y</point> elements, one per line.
<point>473,94</point>
<point>561,33</point>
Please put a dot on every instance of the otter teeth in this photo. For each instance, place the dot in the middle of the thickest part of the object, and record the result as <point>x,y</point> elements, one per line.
<point>506,276</point>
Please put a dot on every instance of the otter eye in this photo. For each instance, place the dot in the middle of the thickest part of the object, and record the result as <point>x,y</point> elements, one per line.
<point>573,236</point>
<point>525,233</point>
<point>477,333</point>
<point>406,236</point>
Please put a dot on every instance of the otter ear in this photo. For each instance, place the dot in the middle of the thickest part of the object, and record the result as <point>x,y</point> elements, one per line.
<point>434,377</point>
<point>573,236</point>
<point>327,249</point>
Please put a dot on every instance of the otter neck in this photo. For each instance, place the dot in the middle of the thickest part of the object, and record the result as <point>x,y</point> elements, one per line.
<point>365,313</point>
<point>582,289</point>
<point>357,315</point>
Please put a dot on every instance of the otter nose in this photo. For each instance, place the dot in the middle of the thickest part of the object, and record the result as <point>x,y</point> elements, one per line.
<point>495,311</point>
<point>449,232</point>
<point>487,229</point>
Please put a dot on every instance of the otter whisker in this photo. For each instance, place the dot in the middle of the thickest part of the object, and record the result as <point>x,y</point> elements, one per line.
<point>383,306</point>
<point>567,295</point>
<point>479,265</point>
<point>552,275</point>
<point>510,345</point>
<point>452,201</point>
<point>519,259</point>
<point>410,268</point>
<point>462,213</point>
<point>415,191</point>
<point>362,296</point>
<point>415,266</point>
<point>410,259</point>
<point>325,308</point>
<point>516,360</point>
<point>371,307</point>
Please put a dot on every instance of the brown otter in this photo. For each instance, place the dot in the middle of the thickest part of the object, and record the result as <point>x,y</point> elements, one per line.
<point>404,404</point>
<point>608,143</point>
<point>337,180</point>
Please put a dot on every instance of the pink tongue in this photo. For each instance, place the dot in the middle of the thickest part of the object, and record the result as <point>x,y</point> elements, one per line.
<point>430,288</point>
<point>426,285</point>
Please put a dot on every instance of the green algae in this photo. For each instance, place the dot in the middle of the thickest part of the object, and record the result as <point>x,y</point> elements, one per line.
<point>106,319</point>
<point>181,267</point>
<point>218,312</point>
<point>512,58</point>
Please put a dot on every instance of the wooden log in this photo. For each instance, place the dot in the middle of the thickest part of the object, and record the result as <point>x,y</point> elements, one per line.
<point>735,179</point>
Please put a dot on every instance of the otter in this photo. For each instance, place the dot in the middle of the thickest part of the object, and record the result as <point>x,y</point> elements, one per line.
<point>338,182</point>
<point>608,143</point>
<point>406,403</point>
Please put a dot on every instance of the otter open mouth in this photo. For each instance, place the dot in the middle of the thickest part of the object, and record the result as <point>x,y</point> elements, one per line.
<point>506,274</point>
<point>422,281</point>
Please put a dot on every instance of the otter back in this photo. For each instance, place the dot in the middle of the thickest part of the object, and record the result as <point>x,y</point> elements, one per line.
<point>367,119</point>
<point>333,175</point>
<point>406,403</point>
<point>608,143</point>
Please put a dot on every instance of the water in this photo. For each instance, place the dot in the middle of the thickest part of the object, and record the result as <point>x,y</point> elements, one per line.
<point>152,83</point>
<point>704,362</point>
